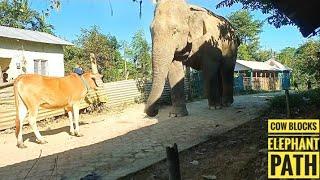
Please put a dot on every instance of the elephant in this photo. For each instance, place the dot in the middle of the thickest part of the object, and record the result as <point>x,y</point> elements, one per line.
<point>193,36</point>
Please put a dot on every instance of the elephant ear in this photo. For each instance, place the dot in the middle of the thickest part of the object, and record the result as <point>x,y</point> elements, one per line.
<point>198,28</point>
<point>196,22</point>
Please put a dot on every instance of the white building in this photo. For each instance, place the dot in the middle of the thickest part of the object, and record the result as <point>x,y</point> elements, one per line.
<point>25,51</point>
<point>268,75</point>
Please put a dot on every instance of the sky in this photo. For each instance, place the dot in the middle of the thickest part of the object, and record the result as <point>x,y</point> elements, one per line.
<point>75,15</point>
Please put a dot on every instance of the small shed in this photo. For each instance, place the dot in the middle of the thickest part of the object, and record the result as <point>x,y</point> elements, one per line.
<point>268,75</point>
<point>26,51</point>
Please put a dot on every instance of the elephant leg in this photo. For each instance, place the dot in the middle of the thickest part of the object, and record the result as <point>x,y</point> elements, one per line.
<point>212,83</point>
<point>176,80</point>
<point>227,82</point>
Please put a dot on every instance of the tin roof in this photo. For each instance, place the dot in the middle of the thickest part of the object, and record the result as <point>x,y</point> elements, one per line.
<point>270,65</point>
<point>278,65</point>
<point>28,35</point>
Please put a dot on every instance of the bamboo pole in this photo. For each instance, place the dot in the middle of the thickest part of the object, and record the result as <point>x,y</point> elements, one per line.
<point>94,66</point>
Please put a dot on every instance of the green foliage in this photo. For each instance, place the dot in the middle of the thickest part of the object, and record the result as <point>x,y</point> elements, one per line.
<point>263,55</point>
<point>276,17</point>
<point>286,56</point>
<point>18,14</point>
<point>74,55</point>
<point>248,31</point>
<point>244,52</point>
<point>139,53</point>
<point>106,49</point>
<point>298,102</point>
<point>306,63</point>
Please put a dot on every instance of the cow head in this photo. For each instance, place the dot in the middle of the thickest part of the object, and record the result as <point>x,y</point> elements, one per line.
<point>94,80</point>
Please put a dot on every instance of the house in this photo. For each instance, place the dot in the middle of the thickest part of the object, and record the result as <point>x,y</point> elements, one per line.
<point>26,51</point>
<point>268,75</point>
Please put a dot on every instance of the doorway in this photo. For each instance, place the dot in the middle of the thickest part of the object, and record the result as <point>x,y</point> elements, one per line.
<point>4,66</point>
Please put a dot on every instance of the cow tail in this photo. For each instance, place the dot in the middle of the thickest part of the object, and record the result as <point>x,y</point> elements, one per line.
<point>16,98</point>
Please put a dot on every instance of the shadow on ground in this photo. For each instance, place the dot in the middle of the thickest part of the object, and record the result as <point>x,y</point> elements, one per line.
<point>137,149</point>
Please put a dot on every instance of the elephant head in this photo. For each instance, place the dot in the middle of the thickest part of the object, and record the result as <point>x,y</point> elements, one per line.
<point>170,35</point>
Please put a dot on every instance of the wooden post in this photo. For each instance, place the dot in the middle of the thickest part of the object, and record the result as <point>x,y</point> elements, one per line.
<point>173,162</point>
<point>94,66</point>
<point>1,77</point>
<point>265,83</point>
<point>251,78</point>
<point>287,102</point>
<point>188,76</point>
<point>125,70</point>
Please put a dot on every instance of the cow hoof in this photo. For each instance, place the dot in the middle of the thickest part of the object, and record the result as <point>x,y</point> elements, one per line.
<point>72,134</point>
<point>172,115</point>
<point>21,146</point>
<point>42,141</point>
<point>78,134</point>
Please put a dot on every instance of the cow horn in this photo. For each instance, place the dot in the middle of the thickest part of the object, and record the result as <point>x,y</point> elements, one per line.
<point>94,66</point>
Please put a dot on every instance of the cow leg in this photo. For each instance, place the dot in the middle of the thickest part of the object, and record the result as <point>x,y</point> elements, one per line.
<point>33,123</point>
<point>22,115</point>
<point>76,120</point>
<point>70,115</point>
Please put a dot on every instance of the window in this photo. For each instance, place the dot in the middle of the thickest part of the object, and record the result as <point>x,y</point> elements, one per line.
<point>40,66</point>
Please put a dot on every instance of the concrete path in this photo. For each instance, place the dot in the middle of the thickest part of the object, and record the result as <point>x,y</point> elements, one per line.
<point>115,145</point>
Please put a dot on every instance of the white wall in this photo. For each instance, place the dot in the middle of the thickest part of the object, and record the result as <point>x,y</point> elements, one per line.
<point>18,49</point>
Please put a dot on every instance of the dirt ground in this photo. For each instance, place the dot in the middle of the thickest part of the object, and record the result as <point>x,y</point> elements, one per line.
<point>116,144</point>
<point>238,154</point>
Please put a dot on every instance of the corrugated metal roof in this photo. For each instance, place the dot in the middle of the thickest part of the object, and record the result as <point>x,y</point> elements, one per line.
<point>255,65</point>
<point>278,65</point>
<point>270,65</point>
<point>28,35</point>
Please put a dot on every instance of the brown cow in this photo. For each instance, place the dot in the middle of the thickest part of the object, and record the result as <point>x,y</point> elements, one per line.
<point>33,91</point>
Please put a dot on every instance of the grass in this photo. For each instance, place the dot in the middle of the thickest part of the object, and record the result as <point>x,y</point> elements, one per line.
<point>300,103</point>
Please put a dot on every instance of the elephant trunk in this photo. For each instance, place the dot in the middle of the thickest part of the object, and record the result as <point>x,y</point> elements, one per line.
<point>162,57</point>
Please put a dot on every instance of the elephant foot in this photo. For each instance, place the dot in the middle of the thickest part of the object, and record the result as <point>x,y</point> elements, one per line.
<point>226,102</point>
<point>178,112</point>
<point>21,145</point>
<point>215,107</point>
<point>41,141</point>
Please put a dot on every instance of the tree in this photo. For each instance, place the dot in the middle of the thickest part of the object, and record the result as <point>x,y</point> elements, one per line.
<point>139,52</point>
<point>306,65</point>
<point>304,62</point>
<point>287,56</point>
<point>18,14</point>
<point>74,55</point>
<point>248,31</point>
<point>264,55</point>
<point>286,12</point>
<point>106,49</point>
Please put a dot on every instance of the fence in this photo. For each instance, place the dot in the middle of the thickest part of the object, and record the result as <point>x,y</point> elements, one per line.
<point>117,93</point>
